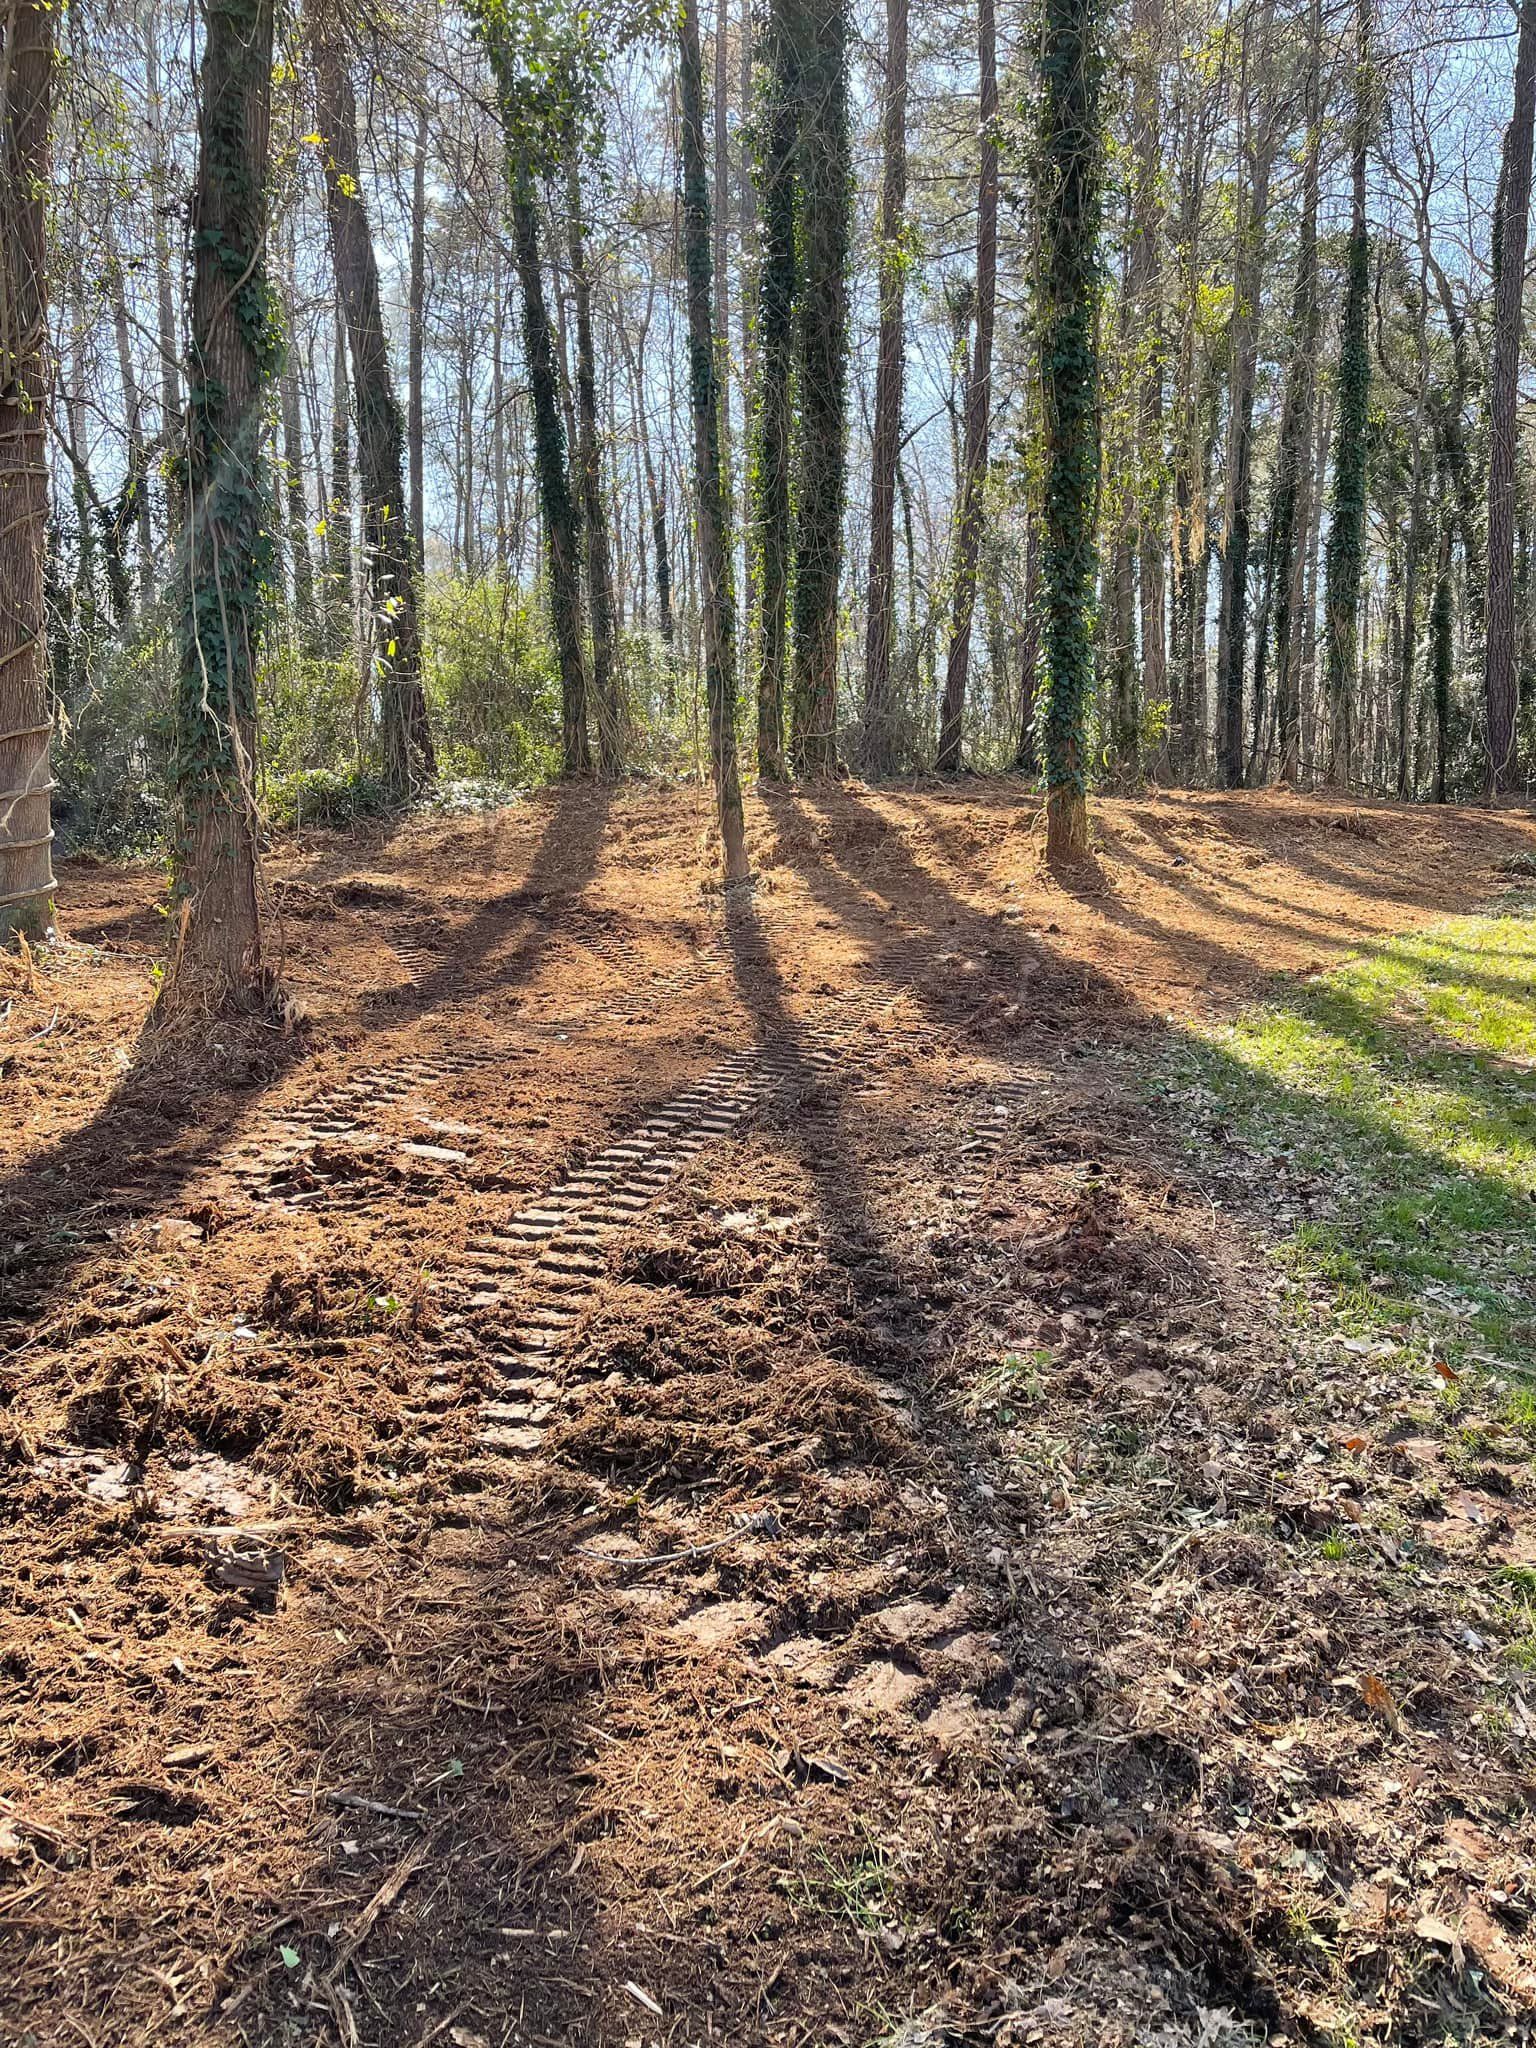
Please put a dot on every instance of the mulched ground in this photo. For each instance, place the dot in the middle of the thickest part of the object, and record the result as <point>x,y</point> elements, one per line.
<point>931,1581</point>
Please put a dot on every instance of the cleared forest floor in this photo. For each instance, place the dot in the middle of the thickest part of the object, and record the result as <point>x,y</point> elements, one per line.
<point>832,1468</point>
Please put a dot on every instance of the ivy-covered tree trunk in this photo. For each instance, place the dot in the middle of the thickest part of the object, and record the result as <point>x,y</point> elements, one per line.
<point>1286,521</point>
<point>978,405</point>
<point>889,367</point>
<point>778,282</point>
<point>606,696</point>
<point>712,509</point>
<point>26,836</point>
<point>562,534</point>
<point>820,486</point>
<point>409,760</point>
<point>1071,72</point>
<point>1345,559</point>
<point>1500,656</point>
<point>234,351</point>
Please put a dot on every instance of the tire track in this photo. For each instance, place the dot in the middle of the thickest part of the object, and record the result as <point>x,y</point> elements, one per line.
<point>523,1285</point>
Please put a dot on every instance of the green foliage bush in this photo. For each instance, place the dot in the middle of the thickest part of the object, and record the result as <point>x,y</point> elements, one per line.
<point>493,685</point>
<point>314,713</point>
<point>111,745</point>
<point>325,796</point>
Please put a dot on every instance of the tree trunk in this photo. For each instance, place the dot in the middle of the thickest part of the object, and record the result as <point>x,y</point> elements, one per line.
<point>1248,278</point>
<point>298,508</point>
<point>1069,144</point>
<point>655,488</point>
<point>606,703</point>
<point>416,335</point>
<point>822,365</point>
<point>719,604</point>
<point>886,440</point>
<point>135,499</point>
<point>1123,720</point>
<point>342,630</point>
<point>1026,752</point>
<point>1441,656</point>
<point>499,411</point>
<point>1286,520</point>
<point>1310,567</point>
<point>26,834</point>
<point>1346,532</point>
<point>233,352</point>
<point>1500,656</point>
<point>465,483</point>
<point>978,405</point>
<point>561,533</point>
<point>721,223</point>
<point>1232,626</point>
<point>1142,279</point>
<point>1412,549</point>
<point>409,761</point>
<point>778,290</point>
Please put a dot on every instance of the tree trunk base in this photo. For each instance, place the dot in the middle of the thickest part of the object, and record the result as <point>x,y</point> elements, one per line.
<point>1066,824</point>
<point>733,839</point>
<point>32,919</point>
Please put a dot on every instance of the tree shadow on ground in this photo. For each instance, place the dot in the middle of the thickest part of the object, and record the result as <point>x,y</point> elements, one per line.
<point>484,1684</point>
<point>183,1101</point>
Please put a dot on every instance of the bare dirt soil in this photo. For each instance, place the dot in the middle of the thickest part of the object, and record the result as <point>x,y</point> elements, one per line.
<point>673,1470</point>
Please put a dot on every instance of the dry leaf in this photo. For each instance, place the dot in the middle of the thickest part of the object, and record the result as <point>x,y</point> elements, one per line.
<point>1431,1929</point>
<point>1377,1696</point>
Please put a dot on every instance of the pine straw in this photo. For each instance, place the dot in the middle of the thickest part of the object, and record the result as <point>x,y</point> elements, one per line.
<point>468,1776</point>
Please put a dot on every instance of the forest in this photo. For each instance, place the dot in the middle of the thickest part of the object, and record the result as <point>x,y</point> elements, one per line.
<point>767,1023</point>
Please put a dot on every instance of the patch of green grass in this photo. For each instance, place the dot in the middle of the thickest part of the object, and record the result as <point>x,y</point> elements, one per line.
<point>1398,1091</point>
<point>858,1890</point>
<point>1014,1382</point>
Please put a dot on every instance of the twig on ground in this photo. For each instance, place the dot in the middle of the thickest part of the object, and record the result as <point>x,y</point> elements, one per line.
<point>381,1901</point>
<point>356,1803</point>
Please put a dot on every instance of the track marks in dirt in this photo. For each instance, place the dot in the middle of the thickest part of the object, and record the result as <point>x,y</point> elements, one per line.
<point>284,1162</point>
<point>524,1286</point>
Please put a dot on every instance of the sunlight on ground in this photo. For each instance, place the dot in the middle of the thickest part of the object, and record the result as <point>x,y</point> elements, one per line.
<point>1391,1103</point>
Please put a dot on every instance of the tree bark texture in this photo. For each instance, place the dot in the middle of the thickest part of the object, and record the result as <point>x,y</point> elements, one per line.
<point>978,405</point>
<point>706,398</point>
<point>409,761</point>
<point>26,835</point>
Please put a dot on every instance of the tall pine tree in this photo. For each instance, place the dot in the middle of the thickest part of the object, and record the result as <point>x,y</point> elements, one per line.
<point>1068,151</point>
<point>1345,560</point>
